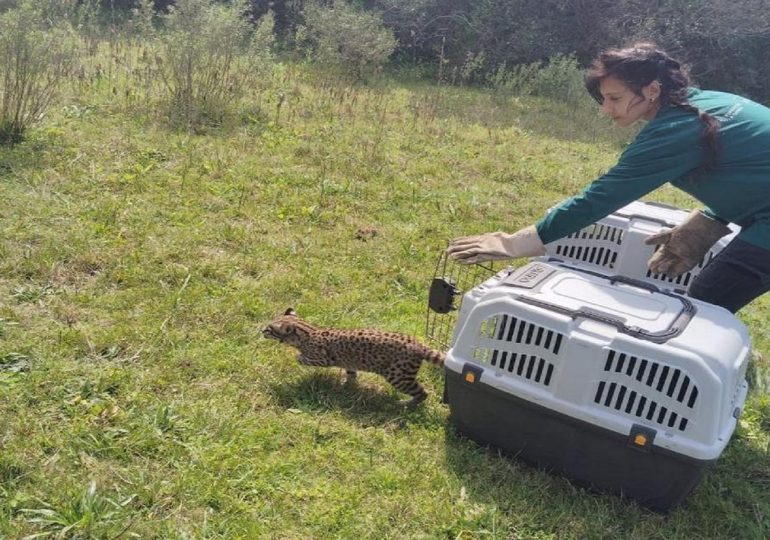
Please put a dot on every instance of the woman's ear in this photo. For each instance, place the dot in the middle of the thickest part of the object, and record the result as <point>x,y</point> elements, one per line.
<point>651,92</point>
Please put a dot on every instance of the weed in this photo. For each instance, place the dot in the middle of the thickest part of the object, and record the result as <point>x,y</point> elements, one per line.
<point>79,516</point>
<point>31,293</point>
<point>14,362</point>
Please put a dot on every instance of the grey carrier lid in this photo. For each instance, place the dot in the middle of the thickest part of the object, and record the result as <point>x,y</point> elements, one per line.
<point>633,307</point>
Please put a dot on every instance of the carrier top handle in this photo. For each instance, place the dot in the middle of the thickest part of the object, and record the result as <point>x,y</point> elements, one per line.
<point>535,274</point>
<point>676,327</point>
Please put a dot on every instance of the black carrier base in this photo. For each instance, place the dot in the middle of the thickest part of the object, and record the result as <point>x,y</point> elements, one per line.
<point>593,457</point>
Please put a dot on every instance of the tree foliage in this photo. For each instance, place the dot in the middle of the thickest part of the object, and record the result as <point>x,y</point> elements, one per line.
<point>344,36</point>
<point>725,41</point>
<point>721,39</point>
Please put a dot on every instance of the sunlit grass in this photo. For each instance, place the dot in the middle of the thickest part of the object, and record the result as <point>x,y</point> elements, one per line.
<point>139,263</point>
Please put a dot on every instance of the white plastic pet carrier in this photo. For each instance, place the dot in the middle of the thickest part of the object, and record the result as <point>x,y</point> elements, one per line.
<point>615,244</point>
<point>612,381</point>
<point>612,246</point>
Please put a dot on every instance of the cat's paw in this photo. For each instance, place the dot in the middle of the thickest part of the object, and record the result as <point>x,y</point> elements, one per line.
<point>415,401</point>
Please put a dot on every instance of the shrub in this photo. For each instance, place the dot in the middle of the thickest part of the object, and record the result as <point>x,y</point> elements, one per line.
<point>143,17</point>
<point>209,54</point>
<point>262,43</point>
<point>343,36</point>
<point>561,78</point>
<point>36,53</point>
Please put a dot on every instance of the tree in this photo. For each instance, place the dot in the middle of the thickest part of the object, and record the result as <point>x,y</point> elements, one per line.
<point>349,38</point>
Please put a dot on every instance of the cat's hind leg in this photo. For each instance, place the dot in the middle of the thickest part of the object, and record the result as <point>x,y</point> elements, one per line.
<point>407,383</point>
<point>350,376</point>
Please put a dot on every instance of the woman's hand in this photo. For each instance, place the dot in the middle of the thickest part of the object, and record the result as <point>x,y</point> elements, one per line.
<point>685,245</point>
<point>496,246</point>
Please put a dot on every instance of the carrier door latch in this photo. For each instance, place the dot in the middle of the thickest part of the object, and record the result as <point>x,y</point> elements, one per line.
<point>442,295</point>
<point>641,437</point>
<point>471,374</point>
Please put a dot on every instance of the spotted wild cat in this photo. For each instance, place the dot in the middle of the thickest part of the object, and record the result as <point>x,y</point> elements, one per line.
<point>397,357</point>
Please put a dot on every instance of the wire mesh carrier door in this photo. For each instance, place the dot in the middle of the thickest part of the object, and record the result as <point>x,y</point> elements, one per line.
<point>450,281</point>
<point>615,244</point>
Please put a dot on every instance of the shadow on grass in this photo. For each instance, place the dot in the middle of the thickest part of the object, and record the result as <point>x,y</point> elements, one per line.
<point>361,401</point>
<point>731,501</point>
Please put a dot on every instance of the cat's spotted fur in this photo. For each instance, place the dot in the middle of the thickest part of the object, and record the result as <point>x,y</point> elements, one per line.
<point>397,357</point>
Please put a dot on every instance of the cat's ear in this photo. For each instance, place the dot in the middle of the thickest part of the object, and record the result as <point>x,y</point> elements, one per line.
<point>290,312</point>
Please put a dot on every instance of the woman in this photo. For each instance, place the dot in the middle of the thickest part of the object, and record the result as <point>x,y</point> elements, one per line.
<point>713,145</point>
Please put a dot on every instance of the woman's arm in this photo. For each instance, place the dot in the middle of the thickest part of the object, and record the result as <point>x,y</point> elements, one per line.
<point>659,154</point>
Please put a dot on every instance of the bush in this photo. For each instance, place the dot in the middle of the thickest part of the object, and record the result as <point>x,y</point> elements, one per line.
<point>36,53</point>
<point>340,35</point>
<point>143,17</point>
<point>561,78</point>
<point>209,54</point>
<point>262,42</point>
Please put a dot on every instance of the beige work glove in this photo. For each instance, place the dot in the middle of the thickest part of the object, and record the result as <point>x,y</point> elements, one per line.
<point>496,246</point>
<point>685,245</point>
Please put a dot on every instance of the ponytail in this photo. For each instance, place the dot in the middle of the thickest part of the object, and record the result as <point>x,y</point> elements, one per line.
<point>710,137</point>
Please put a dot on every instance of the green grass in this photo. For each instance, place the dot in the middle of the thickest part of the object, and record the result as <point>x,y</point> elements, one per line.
<point>138,265</point>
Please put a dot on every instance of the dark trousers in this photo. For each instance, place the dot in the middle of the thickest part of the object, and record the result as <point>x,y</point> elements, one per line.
<point>736,276</point>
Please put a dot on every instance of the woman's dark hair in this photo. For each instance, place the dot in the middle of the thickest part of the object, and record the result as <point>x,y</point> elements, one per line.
<point>641,64</point>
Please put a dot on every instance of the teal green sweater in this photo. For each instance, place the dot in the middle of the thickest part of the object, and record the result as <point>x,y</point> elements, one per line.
<point>669,149</point>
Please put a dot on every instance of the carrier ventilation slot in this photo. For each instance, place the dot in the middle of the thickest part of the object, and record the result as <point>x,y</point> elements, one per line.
<point>684,279</point>
<point>527,366</point>
<point>513,330</point>
<point>671,382</point>
<point>518,361</point>
<point>599,256</point>
<point>580,246</point>
<point>597,231</point>
<point>621,398</point>
<point>737,392</point>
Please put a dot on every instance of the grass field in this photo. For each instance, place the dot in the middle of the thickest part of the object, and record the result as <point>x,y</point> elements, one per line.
<point>138,265</point>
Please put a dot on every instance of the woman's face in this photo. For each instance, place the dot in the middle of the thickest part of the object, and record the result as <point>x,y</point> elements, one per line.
<point>624,106</point>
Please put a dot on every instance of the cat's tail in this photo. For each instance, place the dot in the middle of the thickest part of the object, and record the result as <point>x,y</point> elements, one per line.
<point>434,356</point>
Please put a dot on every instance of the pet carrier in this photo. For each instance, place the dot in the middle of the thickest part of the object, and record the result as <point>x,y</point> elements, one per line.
<point>615,244</point>
<point>610,381</point>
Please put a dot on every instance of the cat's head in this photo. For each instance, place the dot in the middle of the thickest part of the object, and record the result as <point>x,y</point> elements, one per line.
<point>285,328</point>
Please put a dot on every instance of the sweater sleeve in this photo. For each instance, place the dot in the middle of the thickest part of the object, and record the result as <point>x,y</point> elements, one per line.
<point>708,212</point>
<point>660,153</point>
